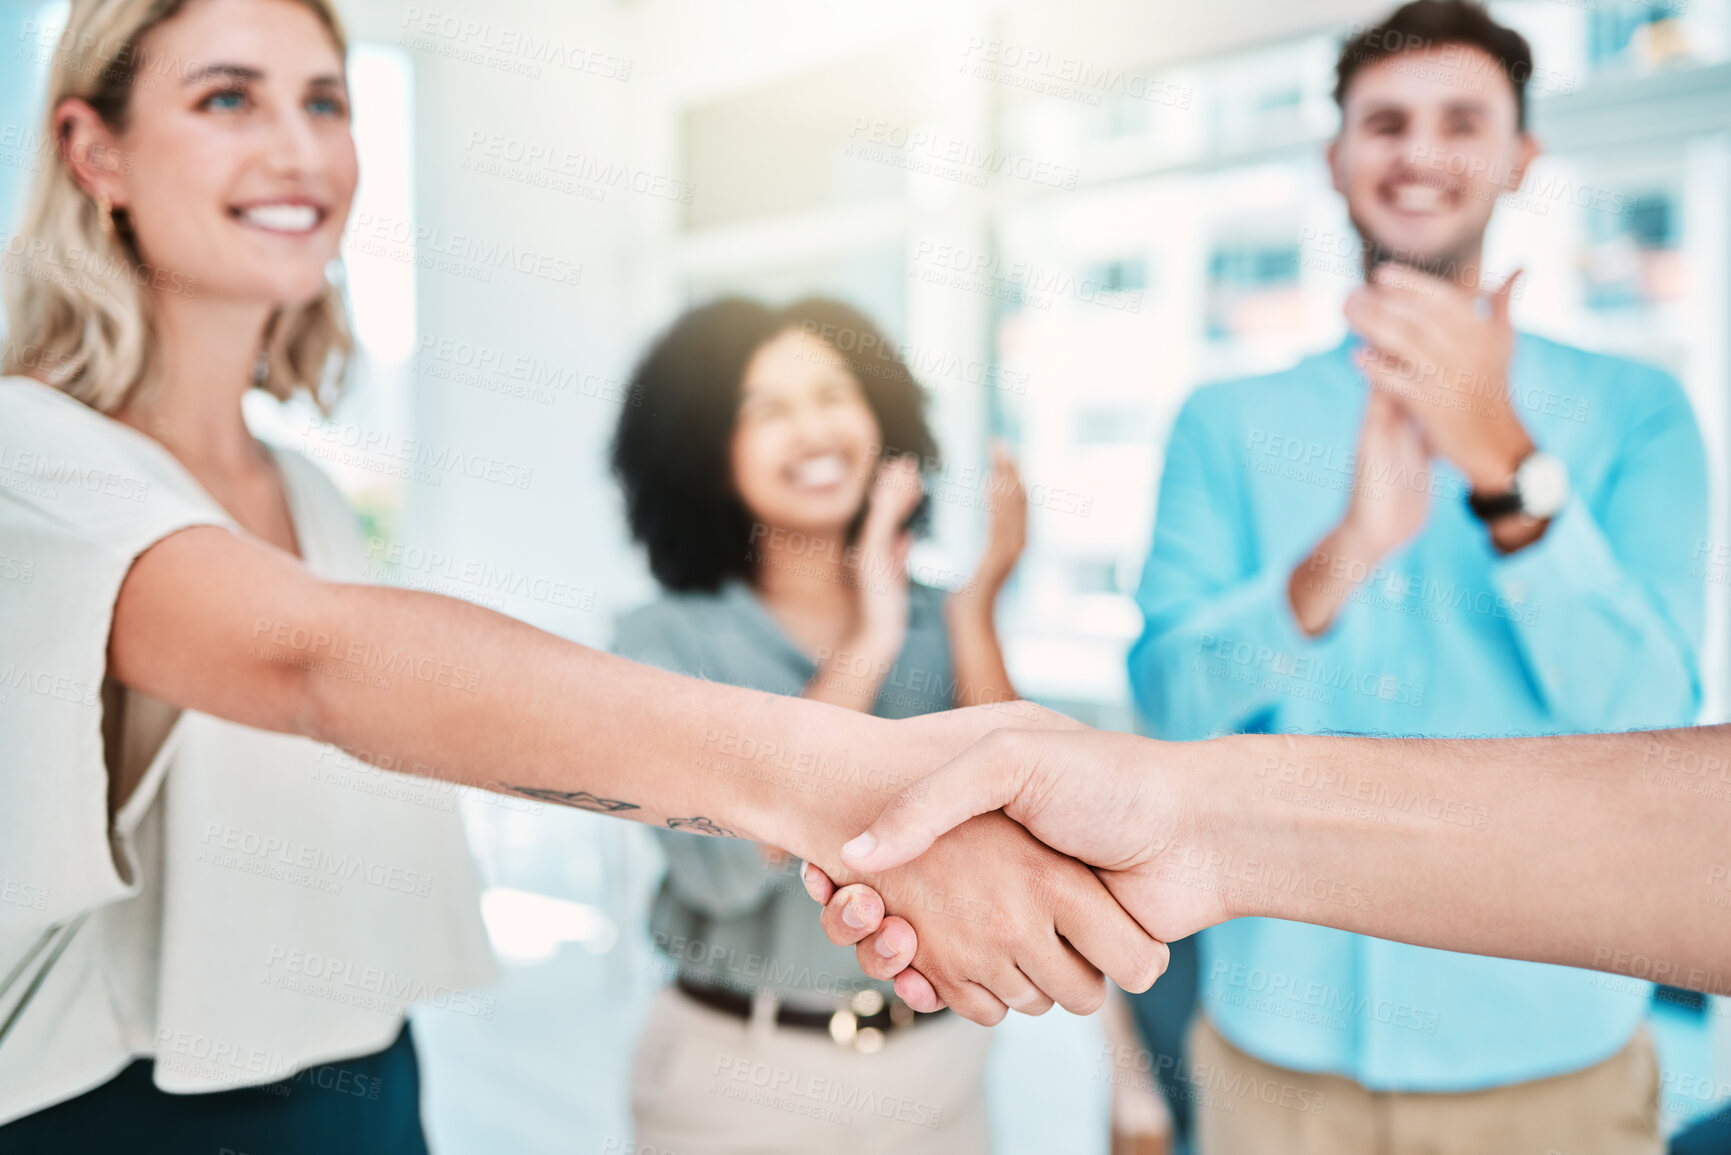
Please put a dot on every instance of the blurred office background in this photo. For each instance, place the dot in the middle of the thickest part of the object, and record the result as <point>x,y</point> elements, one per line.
<point>1069,215</point>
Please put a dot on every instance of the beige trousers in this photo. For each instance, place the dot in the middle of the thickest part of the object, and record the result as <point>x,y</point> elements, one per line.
<point>1608,1109</point>
<point>706,1083</point>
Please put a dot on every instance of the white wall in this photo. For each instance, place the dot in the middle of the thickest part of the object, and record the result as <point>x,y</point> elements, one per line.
<point>565,526</point>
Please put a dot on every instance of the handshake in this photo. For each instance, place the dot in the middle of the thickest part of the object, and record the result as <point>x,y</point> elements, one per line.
<point>1042,856</point>
<point>974,886</point>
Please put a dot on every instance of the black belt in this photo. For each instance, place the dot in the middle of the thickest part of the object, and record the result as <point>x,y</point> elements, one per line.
<point>868,1017</point>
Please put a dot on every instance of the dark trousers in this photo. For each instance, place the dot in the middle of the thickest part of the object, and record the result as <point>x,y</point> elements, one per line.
<point>369,1105</point>
<point>1710,1136</point>
<point>1163,1014</point>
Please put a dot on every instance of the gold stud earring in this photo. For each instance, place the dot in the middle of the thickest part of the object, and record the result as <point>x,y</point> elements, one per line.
<point>105,216</point>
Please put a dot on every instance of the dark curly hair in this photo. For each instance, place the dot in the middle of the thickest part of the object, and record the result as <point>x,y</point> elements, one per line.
<point>1425,23</point>
<point>671,450</point>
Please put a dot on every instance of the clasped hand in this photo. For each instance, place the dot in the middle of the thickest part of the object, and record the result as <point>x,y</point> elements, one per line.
<point>1044,933</point>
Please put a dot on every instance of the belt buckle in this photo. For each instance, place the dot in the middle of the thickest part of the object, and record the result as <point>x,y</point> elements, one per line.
<point>844,1025</point>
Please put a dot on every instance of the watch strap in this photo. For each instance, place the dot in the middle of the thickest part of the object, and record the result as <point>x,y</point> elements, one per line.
<point>1494,506</point>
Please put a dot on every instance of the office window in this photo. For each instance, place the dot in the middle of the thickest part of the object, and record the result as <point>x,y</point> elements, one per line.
<point>1249,288</point>
<point>1636,35</point>
<point>31,30</point>
<point>1631,258</point>
<point>1120,276</point>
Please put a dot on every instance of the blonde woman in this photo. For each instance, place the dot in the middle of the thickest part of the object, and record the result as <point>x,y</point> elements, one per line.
<point>202,943</point>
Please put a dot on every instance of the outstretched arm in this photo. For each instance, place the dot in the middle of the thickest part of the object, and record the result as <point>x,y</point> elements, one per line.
<point>1593,851</point>
<point>430,685</point>
<point>219,622</point>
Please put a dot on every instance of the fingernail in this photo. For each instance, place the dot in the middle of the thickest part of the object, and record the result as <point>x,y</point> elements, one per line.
<point>885,950</point>
<point>805,880</point>
<point>851,916</point>
<point>861,847</point>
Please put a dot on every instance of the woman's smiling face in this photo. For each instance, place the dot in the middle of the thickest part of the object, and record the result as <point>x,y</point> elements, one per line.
<point>806,441</point>
<point>237,168</point>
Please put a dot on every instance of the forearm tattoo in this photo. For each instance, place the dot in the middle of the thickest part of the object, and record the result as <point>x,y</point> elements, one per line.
<point>580,799</point>
<point>583,800</point>
<point>700,826</point>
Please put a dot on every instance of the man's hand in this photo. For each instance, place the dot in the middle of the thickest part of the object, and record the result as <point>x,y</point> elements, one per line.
<point>1444,351</point>
<point>1564,873</point>
<point>1390,491</point>
<point>1125,804</point>
<point>1390,500</point>
<point>1003,922</point>
<point>1131,806</point>
<point>990,917</point>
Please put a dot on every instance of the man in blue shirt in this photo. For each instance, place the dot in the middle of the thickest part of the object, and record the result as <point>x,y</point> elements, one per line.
<point>1439,528</point>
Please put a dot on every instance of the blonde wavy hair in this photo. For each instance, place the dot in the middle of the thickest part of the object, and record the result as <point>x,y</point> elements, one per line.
<point>78,296</point>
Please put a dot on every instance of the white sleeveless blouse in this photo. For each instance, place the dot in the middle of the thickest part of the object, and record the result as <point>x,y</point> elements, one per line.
<point>261,903</point>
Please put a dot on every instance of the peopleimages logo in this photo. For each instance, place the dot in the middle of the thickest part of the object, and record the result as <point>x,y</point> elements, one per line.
<point>317,863</point>
<point>396,239</point>
<point>1374,794</point>
<point>988,274</point>
<point>936,153</point>
<point>53,473</point>
<point>24,679</point>
<point>1262,881</point>
<point>1066,77</point>
<point>412,458</point>
<point>1279,988</point>
<point>1229,656</point>
<point>582,173</point>
<point>367,986</point>
<point>801,1093</point>
<point>43,259</point>
<point>483,42</point>
<point>1204,1084</point>
<point>857,351</point>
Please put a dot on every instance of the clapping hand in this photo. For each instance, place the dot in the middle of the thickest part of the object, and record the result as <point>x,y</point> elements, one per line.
<point>1391,490</point>
<point>1008,532</point>
<point>880,563</point>
<point>1444,351</point>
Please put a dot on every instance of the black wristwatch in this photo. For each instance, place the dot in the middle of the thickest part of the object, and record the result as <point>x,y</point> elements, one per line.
<point>1538,490</point>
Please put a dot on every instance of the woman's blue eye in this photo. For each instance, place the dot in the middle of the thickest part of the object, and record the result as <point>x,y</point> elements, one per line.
<point>324,106</point>
<point>227,100</point>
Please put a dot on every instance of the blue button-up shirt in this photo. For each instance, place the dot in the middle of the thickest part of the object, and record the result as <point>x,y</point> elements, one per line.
<point>1596,627</point>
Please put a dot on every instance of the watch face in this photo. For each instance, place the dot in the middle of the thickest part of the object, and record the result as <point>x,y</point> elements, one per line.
<point>1543,483</point>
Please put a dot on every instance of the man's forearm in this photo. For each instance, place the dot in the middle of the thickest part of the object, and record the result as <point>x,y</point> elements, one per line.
<point>1602,851</point>
<point>1608,851</point>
